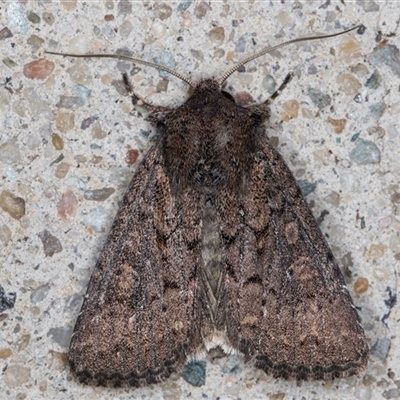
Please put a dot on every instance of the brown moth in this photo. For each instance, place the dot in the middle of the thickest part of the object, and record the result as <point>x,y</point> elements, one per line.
<point>214,245</point>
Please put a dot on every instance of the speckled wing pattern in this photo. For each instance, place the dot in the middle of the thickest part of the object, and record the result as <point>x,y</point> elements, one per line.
<point>139,320</point>
<point>290,311</point>
<point>214,245</point>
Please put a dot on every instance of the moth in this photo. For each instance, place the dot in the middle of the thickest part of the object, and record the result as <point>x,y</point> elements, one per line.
<point>214,245</point>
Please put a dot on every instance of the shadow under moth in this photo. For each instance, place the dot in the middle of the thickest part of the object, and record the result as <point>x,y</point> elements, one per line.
<point>214,245</point>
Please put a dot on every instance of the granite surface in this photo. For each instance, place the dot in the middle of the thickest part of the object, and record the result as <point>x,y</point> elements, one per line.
<point>70,142</point>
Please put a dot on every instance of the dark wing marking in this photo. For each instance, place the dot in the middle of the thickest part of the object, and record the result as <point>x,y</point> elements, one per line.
<point>141,313</point>
<point>293,314</point>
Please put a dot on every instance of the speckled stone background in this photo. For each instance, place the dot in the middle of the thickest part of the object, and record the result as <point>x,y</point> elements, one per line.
<point>70,142</point>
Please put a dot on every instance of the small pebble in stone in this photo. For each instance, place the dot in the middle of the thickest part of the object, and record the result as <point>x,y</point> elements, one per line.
<point>124,7</point>
<point>349,50</point>
<point>35,42</point>
<point>365,152</point>
<point>162,86</point>
<point>393,393</point>
<point>144,134</point>
<point>62,170</point>
<point>355,137</point>
<point>306,187</point>
<point>97,219</point>
<point>197,54</point>
<point>277,396</point>
<point>333,198</point>
<point>82,91</point>
<point>51,244</point>
<point>380,348</point>
<point>5,353</point>
<point>162,11</point>
<point>380,274</point>
<point>108,32</point>
<point>96,159</point>
<point>363,393</point>
<point>166,59</point>
<point>186,23</point>
<point>16,375</point>
<point>7,300</point>
<point>321,100</point>
<point>269,84</point>
<point>14,206</point>
<point>37,106</point>
<point>376,110</point>
<point>57,160</point>
<point>291,110</point>
<point>374,81</point>
<point>48,18</point>
<point>16,17</point>
<point>60,335</point>
<point>184,5</point>
<point>360,286</point>
<point>347,263</point>
<point>98,194</point>
<point>194,372</point>
<point>385,222</point>
<point>8,62</point>
<point>338,124</point>
<point>66,206</point>
<point>377,131</point>
<point>125,29</point>
<point>5,33</point>
<point>33,17</point>
<point>9,152</point>
<point>73,303</point>
<point>79,72</point>
<point>40,293</point>
<point>120,177</point>
<point>98,132</point>
<point>240,45</point>
<point>202,9</point>
<point>56,359</point>
<point>349,84</point>
<point>368,379</point>
<point>217,34</point>
<point>38,69</point>
<point>388,56</point>
<point>57,141</point>
<point>312,70</point>
<point>65,121</point>
<point>395,198</point>
<point>131,156</point>
<point>70,102</point>
<point>5,234</point>
<point>119,86</point>
<point>88,121</point>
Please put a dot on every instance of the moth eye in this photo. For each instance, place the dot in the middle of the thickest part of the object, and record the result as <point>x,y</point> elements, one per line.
<point>228,96</point>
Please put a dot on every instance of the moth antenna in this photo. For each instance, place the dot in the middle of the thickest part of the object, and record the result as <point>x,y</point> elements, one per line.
<point>133,59</point>
<point>269,49</point>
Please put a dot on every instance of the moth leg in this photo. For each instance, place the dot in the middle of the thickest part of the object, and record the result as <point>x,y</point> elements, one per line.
<point>278,91</point>
<point>157,112</point>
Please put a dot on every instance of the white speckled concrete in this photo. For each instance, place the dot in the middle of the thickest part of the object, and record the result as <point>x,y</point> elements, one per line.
<point>363,201</point>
